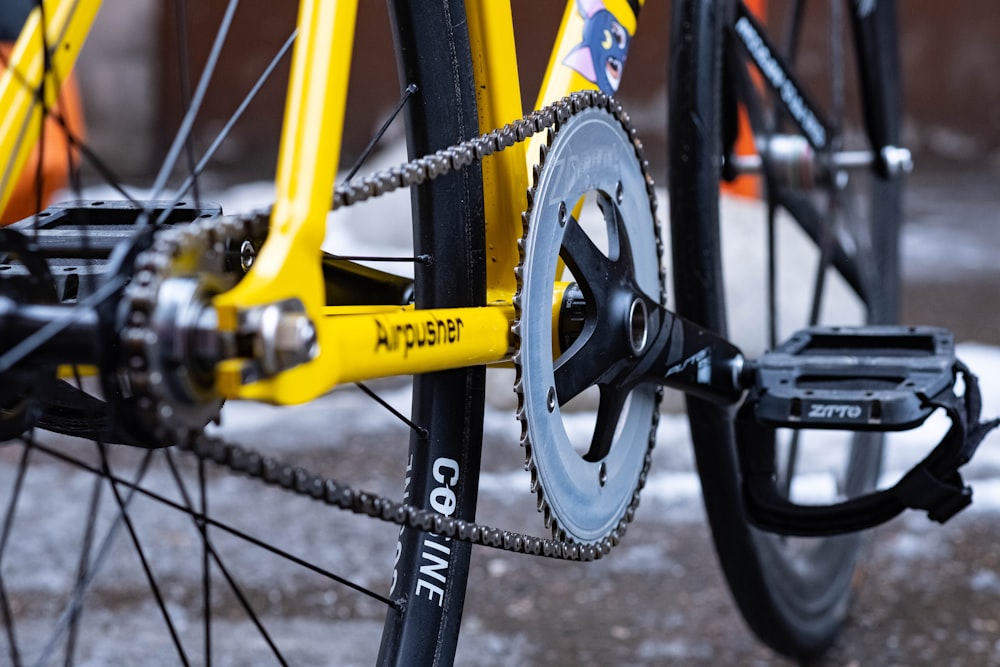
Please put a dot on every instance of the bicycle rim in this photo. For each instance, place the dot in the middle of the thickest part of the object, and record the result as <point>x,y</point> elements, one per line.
<point>794,593</point>
<point>177,576</point>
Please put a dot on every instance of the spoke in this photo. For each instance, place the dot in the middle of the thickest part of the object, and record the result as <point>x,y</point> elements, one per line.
<point>420,430</point>
<point>825,257</point>
<point>848,264</point>
<point>206,573</point>
<point>837,84</point>
<point>407,93</point>
<point>200,519</point>
<point>137,545</point>
<point>40,95</point>
<point>76,599</point>
<point>793,31</point>
<point>83,566</point>
<point>420,259</point>
<point>230,124</point>
<point>8,619</point>
<point>187,123</point>
<point>8,616</point>
<point>791,463</point>
<point>137,488</point>
<point>184,74</point>
<point>772,268</point>
<point>15,495</point>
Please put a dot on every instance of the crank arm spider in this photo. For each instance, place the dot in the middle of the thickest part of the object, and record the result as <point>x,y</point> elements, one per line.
<point>634,340</point>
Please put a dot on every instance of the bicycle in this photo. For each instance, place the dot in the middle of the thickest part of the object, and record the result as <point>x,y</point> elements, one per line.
<point>173,307</point>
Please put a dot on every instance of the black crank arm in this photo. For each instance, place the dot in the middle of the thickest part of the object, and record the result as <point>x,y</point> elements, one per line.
<point>685,356</point>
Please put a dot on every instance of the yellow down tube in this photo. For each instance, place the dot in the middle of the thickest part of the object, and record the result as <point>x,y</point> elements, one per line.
<point>67,24</point>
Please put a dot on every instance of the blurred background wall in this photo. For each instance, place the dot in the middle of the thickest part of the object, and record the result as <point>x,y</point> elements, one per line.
<point>129,75</point>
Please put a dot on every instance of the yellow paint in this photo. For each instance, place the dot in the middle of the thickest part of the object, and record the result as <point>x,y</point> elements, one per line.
<point>68,23</point>
<point>288,265</point>
<point>404,342</point>
<point>505,177</point>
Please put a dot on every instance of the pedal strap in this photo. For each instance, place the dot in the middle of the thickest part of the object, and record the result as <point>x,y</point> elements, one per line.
<point>933,485</point>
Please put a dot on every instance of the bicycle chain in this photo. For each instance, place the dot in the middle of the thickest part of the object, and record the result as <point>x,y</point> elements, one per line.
<point>302,482</point>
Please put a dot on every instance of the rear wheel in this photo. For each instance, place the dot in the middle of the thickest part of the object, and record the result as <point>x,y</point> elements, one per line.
<point>180,562</point>
<point>757,269</point>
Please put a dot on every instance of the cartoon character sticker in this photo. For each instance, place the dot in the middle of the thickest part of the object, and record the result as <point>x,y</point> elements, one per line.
<point>600,57</point>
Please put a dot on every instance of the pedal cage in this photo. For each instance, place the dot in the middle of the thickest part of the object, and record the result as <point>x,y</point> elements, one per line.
<point>878,378</point>
<point>864,378</point>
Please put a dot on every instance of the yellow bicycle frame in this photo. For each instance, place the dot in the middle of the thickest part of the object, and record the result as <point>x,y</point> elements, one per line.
<point>66,26</point>
<point>353,343</point>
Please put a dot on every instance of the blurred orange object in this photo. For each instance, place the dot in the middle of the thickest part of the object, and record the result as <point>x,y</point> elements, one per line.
<point>55,153</point>
<point>747,186</point>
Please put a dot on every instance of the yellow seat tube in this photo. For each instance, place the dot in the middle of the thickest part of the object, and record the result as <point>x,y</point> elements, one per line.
<point>505,176</point>
<point>66,27</point>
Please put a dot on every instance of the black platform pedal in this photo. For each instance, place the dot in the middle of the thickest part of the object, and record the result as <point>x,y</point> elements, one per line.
<point>873,378</point>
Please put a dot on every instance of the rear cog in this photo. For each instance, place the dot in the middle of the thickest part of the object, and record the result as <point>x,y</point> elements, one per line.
<point>169,333</point>
<point>588,487</point>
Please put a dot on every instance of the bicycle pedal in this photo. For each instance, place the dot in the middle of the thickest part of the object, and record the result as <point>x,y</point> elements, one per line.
<point>869,378</point>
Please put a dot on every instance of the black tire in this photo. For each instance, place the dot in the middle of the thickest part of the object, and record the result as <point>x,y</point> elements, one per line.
<point>421,625</point>
<point>433,52</point>
<point>794,593</point>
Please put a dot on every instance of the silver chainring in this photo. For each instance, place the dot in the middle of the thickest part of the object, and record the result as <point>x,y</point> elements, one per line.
<point>588,494</point>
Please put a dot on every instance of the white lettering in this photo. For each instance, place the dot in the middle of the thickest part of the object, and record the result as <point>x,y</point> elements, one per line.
<point>443,500</point>
<point>431,590</point>
<point>834,411</point>
<point>435,567</point>
<point>441,466</point>
<point>701,360</point>
<point>771,69</point>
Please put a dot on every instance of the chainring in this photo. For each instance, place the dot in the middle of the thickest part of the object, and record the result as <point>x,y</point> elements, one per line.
<point>587,488</point>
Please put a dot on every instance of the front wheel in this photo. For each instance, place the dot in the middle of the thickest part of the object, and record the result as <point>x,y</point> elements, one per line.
<point>807,249</point>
